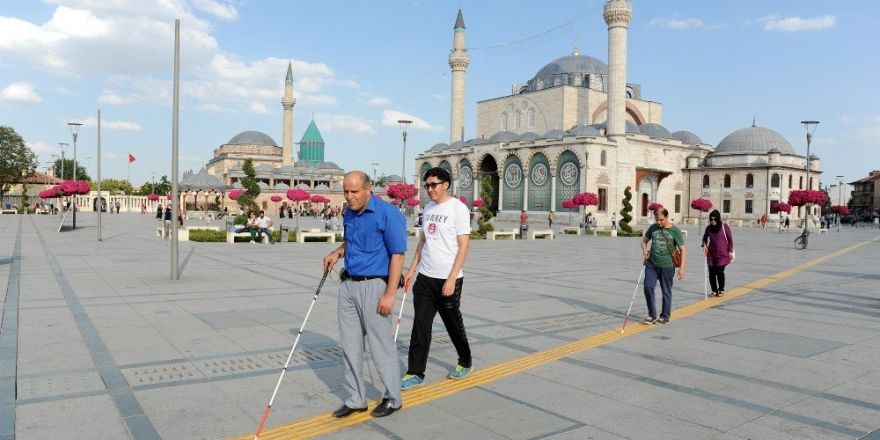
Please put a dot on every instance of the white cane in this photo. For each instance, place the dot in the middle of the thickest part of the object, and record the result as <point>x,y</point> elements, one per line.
<point>399,315</point>
<point>706,274</point>
<point>633,300</point>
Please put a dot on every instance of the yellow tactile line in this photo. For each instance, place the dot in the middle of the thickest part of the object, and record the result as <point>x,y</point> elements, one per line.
<point>326,423</point>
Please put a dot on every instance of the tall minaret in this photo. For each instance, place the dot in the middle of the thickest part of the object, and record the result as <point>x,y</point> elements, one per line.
<point>288,102</point>
<point>618,14</point>
<point>458,61</point>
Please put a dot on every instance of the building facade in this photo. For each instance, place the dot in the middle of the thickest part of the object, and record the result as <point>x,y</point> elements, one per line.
<point>866,194</point>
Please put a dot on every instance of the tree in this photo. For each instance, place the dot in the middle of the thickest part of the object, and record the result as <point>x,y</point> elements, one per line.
<point>484,222</point>
<point>625,218</point>
<point>113,186</point>
<point>16,159</point>
<point>247,201</point>
<point>81,173</point>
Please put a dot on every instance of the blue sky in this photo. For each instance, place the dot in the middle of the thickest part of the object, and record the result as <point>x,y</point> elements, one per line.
<point>359,65</point>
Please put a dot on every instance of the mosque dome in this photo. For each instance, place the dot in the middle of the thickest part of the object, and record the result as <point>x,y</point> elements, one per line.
<point>476,141</point>
<point>655,130</point>
<point>754,140</point>
<point>630,127</point>
<point>569,70</point>
<point>528,136</point>
<point>504,136</point>
<point>687,137</point>
<point>328,166</point>
<point>584,130</point>
<point>456,145</point>
<point>252,138</point>
<point>554,134</point>
<point>439,147</point>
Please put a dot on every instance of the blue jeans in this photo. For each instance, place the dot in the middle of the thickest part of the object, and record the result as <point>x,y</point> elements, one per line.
<point>665,275</point>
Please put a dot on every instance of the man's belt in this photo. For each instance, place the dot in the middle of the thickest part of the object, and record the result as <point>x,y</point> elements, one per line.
<point>345,276</point>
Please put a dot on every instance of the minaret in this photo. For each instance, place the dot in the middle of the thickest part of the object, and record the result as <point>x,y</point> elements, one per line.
<point>618,14</point>
<point>458,61</point>
<point>288,102</point>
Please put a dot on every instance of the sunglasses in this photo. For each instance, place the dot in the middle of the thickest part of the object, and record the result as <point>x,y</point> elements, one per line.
<point>432,185</point>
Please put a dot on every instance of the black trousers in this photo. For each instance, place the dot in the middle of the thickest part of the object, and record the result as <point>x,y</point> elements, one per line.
<point>428,301</point>
<point>716,278</point>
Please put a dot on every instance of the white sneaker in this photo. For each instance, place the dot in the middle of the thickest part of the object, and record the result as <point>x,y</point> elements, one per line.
<point>252,241</point>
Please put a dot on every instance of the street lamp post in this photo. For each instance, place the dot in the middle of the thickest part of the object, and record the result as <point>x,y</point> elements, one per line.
<point>74,130</point>
<point>374,170</point>
<point>404,123</point>
<point>810,126</point>
<point>839,185</point>
<point>61,145</point>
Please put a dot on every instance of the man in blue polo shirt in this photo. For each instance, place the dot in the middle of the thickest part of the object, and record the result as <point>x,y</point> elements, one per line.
<point>374,248</point>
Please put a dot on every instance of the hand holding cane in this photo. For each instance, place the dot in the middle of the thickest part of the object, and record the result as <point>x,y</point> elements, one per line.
<point>289,356</point>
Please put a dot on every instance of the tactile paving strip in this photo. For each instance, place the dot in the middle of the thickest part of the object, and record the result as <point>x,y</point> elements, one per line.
<point>161,374</point>
<point>565,323</point>
<point>60,384</point>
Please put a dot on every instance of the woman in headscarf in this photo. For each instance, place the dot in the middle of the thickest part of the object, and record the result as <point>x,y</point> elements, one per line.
<point>718,249</point>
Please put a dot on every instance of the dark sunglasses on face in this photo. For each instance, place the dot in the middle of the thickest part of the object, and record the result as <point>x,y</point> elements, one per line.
<point>432,185</point>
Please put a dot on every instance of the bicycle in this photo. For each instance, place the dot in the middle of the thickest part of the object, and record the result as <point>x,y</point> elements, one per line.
<point>801,241</point>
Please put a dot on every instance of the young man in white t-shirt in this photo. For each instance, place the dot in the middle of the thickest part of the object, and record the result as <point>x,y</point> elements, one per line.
<point>263,224</point>
<point>439,257</point>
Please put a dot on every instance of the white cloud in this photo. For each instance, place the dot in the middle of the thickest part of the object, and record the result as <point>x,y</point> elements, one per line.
<point>678,24</point>
<point>110,155</point>
<point>61,90</point>
<point>260,108</point>
<point>775,23</point>
<point>331,122</point>
<point>110,98</point>
<point>21,92</point>
<point>214,108</point>
<point>370,98</point>
<point>222,11</point>
<point>390,118</point>
<point>107,124</point>
<point>41,147</point>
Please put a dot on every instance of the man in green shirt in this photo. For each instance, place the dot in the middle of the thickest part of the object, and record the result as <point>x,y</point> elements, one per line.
<point>665,238</point>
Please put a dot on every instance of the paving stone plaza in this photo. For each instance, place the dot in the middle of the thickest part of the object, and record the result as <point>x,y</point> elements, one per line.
<point>98,343</point>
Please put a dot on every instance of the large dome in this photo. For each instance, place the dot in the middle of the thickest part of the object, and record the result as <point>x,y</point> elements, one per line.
<point>572,70</point>
<point>574,63</point>
<point>252,138</point>
<point>753,140</point>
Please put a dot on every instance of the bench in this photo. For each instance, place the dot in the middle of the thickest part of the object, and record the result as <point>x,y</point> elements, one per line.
<point>494,235</point>
<point>183,233</point>
<point>571,230</point>
<point>8,211</point>
<point>545,233</point>
<point>330,236</point>
<point>230,235</point>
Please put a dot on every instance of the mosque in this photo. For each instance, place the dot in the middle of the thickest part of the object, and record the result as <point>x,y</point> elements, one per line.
<point>578,126</point>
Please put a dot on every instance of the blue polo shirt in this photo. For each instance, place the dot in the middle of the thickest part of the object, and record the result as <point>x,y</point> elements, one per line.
<point>372,236</point>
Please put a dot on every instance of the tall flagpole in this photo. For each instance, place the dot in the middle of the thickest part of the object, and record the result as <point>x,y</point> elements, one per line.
<point>128,178</point>
<point>175,122</point>
<point>100,200</point>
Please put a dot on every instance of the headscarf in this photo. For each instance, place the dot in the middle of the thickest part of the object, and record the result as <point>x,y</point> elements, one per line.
<point>717,226</point>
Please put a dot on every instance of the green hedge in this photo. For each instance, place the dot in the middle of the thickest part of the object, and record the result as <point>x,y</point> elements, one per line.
<point>207,235</point>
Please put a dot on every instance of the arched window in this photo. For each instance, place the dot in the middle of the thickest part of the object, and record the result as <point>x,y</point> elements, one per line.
<point>727,180</point>
<point>774,181</point>
<point>603,158</point>
<point>790,180</point>
<point>705,181</point>
<point>503,121</point>
<point>531,115</point>
<point>517,118</point>
<point>801,182</point>
<point>750,180</point>
<point>811,183</point>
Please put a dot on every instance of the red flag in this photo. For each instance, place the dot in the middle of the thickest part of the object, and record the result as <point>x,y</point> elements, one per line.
<point>130,158</point>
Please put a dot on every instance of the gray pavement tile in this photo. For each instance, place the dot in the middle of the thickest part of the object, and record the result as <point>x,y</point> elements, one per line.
<point>840,414</point>
<point>82,418</point>
<point>772,427</point>
<point>639,424</point>
<point>522,422</point>
<point>586,433</point>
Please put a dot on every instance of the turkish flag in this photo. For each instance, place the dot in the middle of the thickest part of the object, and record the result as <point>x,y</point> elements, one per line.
<point>130,158</point>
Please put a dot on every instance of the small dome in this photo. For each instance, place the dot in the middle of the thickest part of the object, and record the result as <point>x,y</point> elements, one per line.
<point>529,136</point>
<point>630,127</point>
<point>476,141</point>
<point>263,185</point>
<point>303,186</point>
<point>584,130</point>
<point>329,166</point>
<point>302,164</point>
<point>322,187</point>
<point>393,178</point>
<point>753,140</point>
<point>655,130</point>
<point>439,147</point>
<point>554,134</point>
<point>282,186</point>
<point>252,138</point>
<point>237,185</point>
<point>504,136</point>
<point>286,169</point>
<point>686,137</point>
<point>456,145</point>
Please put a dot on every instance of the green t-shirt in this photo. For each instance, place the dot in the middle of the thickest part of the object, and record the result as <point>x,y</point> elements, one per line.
<point>659,254</point>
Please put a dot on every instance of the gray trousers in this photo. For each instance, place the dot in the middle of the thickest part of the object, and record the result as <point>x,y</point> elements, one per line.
<point>358,318</point>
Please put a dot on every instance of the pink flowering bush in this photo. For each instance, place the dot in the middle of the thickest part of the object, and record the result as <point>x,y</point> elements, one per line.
<point>152,197</point>
<point>51,193</point>
<point>655,206</point>
<point>801,197</point>
<point>463,199</point>
<point>401,191</point>
<point>275,198</point>
<point>297,195</point>
<point>235,194</point>
<point>478,203</point>
<point>840,209</point>
<point>74,187</point>
<point>701,204</point>
<point>412,202</point>
<point>395,202</point>
<point>780,207</point>
<point>585,199</point>
<point>568,204</point>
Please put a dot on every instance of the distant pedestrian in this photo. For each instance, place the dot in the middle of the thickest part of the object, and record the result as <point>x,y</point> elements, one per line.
<point>117,207</point>
<point>289,211</point>
<point>374,251</point>
<point>550,217</point>
<point>787,222</point>
<point>439,258</point>
<point>167,218</point>
<point>613,221</point>
<point>667,249</point>
<point>523,223</point>
<point>718,249</point>
<point>159,212</point>
<point>763,220</point>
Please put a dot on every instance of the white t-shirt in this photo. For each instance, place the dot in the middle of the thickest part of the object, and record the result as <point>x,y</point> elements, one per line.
<point>441,225</point>
<point>263,222</point>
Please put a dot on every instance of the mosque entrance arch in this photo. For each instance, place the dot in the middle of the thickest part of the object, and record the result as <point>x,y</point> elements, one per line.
<point>644,204</point>
<point>489,168</point>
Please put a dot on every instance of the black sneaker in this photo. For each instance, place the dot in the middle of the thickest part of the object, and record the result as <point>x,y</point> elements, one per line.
<point>662,321</point>
<point>649,320</point>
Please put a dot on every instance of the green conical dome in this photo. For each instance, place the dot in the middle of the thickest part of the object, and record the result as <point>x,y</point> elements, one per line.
<point>311,146</point>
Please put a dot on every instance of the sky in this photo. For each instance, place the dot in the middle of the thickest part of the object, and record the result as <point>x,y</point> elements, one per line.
<point>360,66</point>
